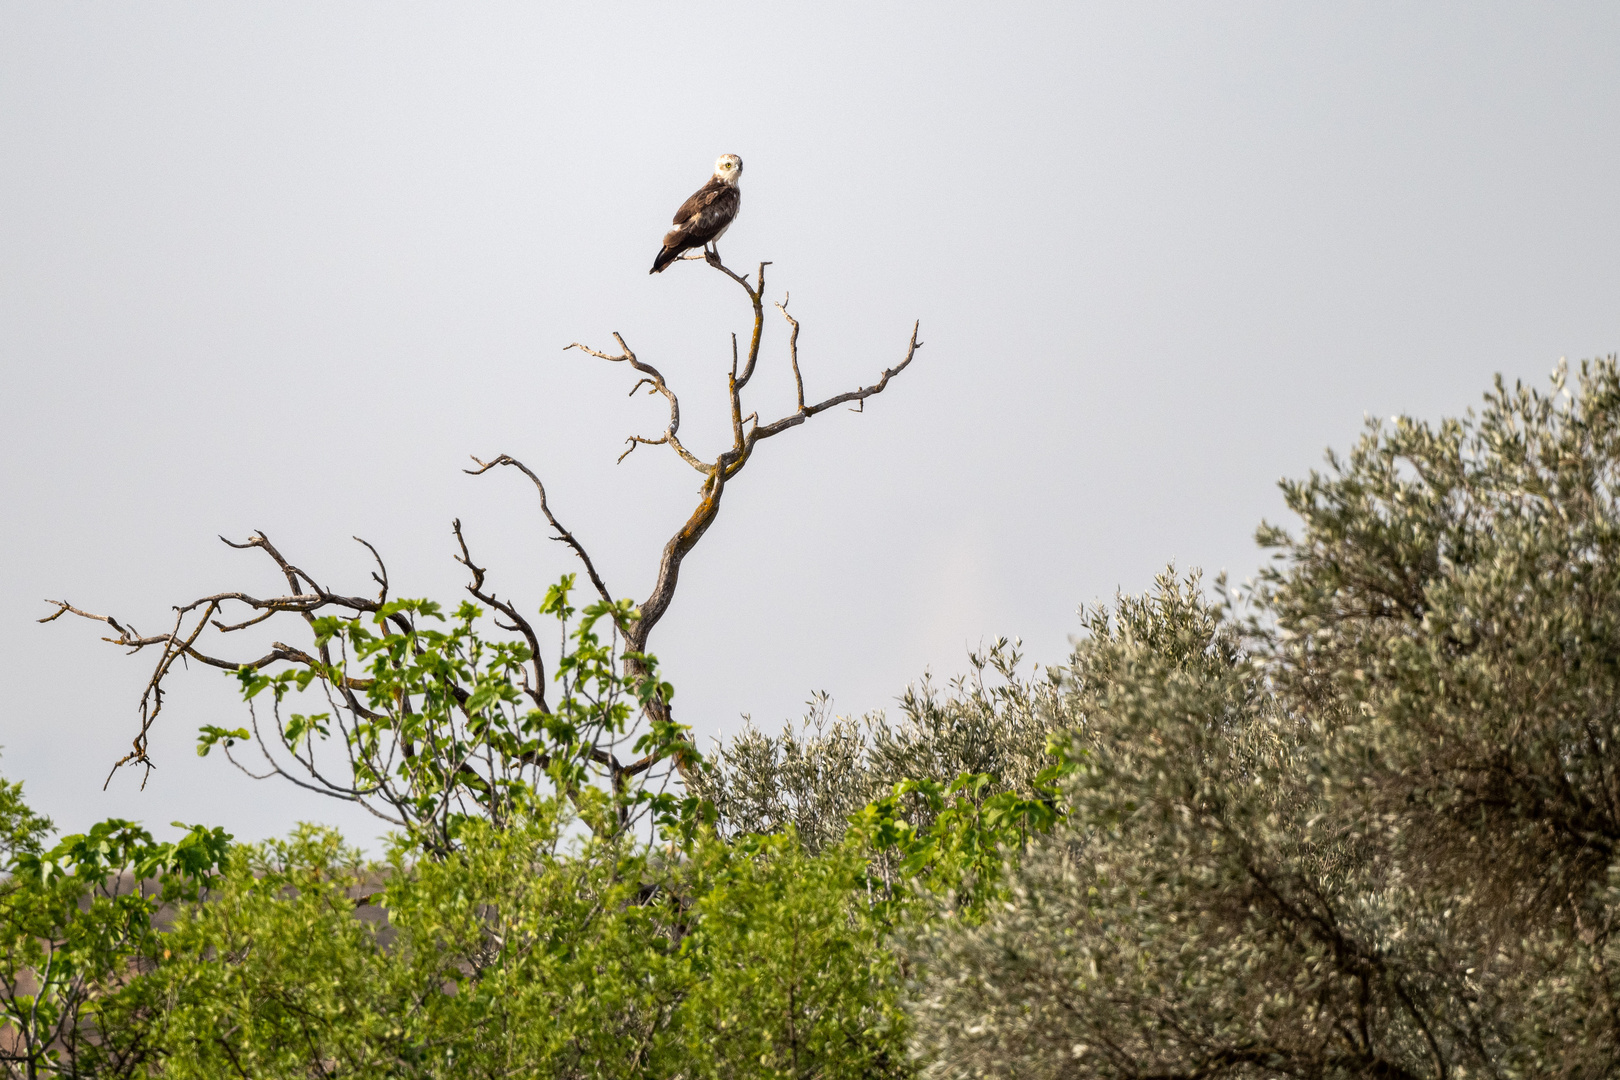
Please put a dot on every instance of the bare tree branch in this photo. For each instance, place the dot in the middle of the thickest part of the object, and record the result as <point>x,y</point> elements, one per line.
<point>180,643</point>
<point>649,376</point>
<point>746,434</point>
<point>562,534</point>
<point>383,737</point>
<point>807,411</point>
<point>731,461</point>
<point>536,691</point>
<point>793,349</point>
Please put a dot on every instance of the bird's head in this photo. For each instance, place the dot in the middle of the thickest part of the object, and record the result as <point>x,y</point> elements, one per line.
<point>728,167</point>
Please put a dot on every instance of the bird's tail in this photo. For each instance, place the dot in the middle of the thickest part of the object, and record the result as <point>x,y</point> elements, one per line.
<point>665,257</point>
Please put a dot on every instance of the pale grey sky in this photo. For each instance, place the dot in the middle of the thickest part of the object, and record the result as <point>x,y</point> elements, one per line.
<point>285,266</point>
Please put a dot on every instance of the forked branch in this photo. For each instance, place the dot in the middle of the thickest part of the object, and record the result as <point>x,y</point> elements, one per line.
<point>746,432</point>
<point>376,723</point>
<point>650,378</point>
<point>180,641</point>
<point>560,533</point>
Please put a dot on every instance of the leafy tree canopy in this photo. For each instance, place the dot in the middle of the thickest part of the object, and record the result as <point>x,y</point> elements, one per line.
<point>1357,819</point>
<point>1364,826</point>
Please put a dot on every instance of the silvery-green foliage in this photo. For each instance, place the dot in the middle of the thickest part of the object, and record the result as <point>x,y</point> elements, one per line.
<point>813,776</point>
<point>1454,601</point>
<point>1369,830</point>
<point>1203,913</point>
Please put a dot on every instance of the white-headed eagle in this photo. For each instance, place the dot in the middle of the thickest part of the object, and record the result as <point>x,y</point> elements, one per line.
<point>705,217</point>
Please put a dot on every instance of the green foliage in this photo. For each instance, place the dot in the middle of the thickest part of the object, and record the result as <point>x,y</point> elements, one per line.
<point>519,954</point>
<point>262,979</point>
<point>528,932</point>
<point>75,921</point>
<point>501,958</point>
<point>439,726</point>
<point>22,831</point>
<point>966,836</point>
<point>790,974</point>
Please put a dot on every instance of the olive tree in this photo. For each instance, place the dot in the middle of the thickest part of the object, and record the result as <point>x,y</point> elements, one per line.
<point>1364,823</point>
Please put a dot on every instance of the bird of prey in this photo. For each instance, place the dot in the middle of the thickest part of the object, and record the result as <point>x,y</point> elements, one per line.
<point>705,217</point>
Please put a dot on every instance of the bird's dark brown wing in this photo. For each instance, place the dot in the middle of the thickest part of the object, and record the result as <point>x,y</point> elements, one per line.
<point>710,217</point>
<point>700,199</point>
<point>700,219</point>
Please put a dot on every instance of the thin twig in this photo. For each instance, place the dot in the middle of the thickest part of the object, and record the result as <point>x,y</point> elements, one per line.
<point>537,692</point>
<point>562,534</point>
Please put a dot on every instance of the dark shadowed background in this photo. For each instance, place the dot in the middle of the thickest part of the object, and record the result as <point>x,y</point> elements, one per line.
<point>285,266</point>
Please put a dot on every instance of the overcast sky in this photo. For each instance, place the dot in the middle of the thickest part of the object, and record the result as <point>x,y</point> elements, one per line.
<point>285,266</point>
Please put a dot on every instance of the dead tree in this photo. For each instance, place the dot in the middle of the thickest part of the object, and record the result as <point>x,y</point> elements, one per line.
<point>353,698</point>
